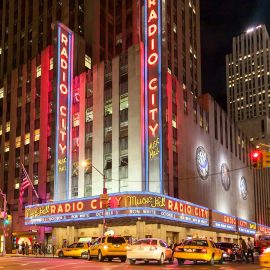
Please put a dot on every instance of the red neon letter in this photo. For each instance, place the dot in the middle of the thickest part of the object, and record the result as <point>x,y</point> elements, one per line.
<point>63,110</point>
<point>64,39</point>
<point>152,112</point>
<point>64,52</point>
<point>152,59</point>
<point>63,148</point>
<point>151,86</point>
<point>63,89</point>
<point>152,29</point>
<point>151,2</point>
<point>63,63</point>
<point>152,16</point>
<point>153,129</point>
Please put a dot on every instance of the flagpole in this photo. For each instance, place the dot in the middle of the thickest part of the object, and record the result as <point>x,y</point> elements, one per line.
<point>30,181</point>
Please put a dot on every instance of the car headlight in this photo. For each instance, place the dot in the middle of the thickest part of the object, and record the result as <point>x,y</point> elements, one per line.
<point>267,250</point>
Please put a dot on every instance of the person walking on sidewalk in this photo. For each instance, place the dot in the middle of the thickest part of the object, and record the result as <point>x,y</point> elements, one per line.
<point>250,249</point>
<point>243,248</point>
<point>23,248</point>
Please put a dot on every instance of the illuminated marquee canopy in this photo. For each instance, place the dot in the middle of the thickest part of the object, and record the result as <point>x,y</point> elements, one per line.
<point>64,77</point>
<point>133,204</point>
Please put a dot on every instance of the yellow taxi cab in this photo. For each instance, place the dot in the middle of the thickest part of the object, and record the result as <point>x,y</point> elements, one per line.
<point>79,249</point>
<point>264,258</point>
<point>108,247</point>
<point>198,250</point>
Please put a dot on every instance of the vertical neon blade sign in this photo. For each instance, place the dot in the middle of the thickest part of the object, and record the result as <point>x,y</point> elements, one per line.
<point>153,96</point>
<point>64,60</point>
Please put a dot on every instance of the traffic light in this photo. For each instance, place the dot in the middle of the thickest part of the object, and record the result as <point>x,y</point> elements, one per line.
<point>256,159</point>
<point>265,159</point>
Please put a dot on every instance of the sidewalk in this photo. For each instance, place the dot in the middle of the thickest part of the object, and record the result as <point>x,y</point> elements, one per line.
<point>32,256</point>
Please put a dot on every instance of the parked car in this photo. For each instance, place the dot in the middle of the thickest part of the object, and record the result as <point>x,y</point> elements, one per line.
<point>108,247</point>
<point>198,250</point>
<point>78,249</point>
<point>231,251</point>
<point>149,249</point>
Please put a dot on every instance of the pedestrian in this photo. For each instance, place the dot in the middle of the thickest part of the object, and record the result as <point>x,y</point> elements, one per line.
<point>27,248</point>
<point>17,248</point>
<point>250,249</point>
<point>23,248</point>
<point>243,248</point>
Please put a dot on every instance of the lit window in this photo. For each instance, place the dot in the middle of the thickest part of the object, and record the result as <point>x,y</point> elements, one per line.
<point>123,103</point>
<point>1,92</point>
<point>76,119</point>
<point>174,123</point>
<point>17,185</point>
<point>89,115</point>
<point>7,126</point>
<point>6,146</point>
<point>51,63</point>
<point>174,28</point>
<point>0,51</point>
<point>88,61</point>
<point>18,142</point>
<point>37,133</point>
<point>38,71</point>
<point>27,139</point>
<point>0,130</point>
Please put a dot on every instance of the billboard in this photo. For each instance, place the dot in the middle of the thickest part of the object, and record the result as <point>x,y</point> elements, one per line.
<point>153,96</point>
<point>64,76</point>
<point>223,221</point>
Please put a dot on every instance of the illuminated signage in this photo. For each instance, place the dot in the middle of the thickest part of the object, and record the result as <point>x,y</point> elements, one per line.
<point>263,229</point>
<point>223,221</point>
<point>64,60</point>
<point>129,204</point>
<point>153,96</point>
<point>245,226</point>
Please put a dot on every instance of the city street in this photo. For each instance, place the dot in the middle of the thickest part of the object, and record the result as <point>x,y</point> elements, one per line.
<point>26,263</point>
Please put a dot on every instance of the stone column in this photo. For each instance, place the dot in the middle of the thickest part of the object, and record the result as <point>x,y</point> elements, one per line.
<point>140,229</point>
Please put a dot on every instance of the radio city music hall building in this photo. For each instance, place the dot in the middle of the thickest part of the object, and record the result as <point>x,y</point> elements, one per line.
<point>174,165</point>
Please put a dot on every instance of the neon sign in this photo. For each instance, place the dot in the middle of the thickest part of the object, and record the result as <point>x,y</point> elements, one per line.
<point>153,96</point>
<point>245,226</point>
<point>223,221</point>
<point>129,204</point>
<point>64,60</point>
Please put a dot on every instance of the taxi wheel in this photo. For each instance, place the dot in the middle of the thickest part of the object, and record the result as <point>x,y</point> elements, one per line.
<point>88,256</point>
<point>221,260</point>
<point>123,259</point>
<point>161,261</point>
<point>180,261</point>
<point>60,254</point>
<point>100,257</point>
<point>211,262</point>
<point>131,261</point>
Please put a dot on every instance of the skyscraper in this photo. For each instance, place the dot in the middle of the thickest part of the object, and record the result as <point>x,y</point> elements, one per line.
<point>248,81</point>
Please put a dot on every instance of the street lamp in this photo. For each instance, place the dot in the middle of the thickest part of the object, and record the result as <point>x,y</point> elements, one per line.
<point>4,225</point>
<point>104,195</point>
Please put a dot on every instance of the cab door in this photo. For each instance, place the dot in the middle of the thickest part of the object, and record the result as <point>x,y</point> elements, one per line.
<point>94,247</point>
<point>70,250</point>
<point>217,252</point>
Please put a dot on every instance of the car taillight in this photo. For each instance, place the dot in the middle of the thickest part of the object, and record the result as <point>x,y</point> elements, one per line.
<point>153,248</point>
<point>203,250</point>
<point>229,251</point>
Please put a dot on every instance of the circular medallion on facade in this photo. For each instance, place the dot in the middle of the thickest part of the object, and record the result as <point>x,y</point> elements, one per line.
<point>243,188</point>
<point>225,176</point>
<point>202,163</point>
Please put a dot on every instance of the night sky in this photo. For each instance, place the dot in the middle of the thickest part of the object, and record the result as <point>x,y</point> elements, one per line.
<point>221,20</point>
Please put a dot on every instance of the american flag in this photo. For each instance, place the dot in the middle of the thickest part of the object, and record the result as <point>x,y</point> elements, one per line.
<point>25,183</point>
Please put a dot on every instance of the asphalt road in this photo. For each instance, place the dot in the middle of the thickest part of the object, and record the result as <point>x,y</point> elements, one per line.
<point>29,263</point>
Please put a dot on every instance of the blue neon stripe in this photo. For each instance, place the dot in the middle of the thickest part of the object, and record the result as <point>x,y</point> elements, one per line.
<point>160,100</point>
<point>68,117</point>
<point>146,100</point>
<point>56,191</point>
